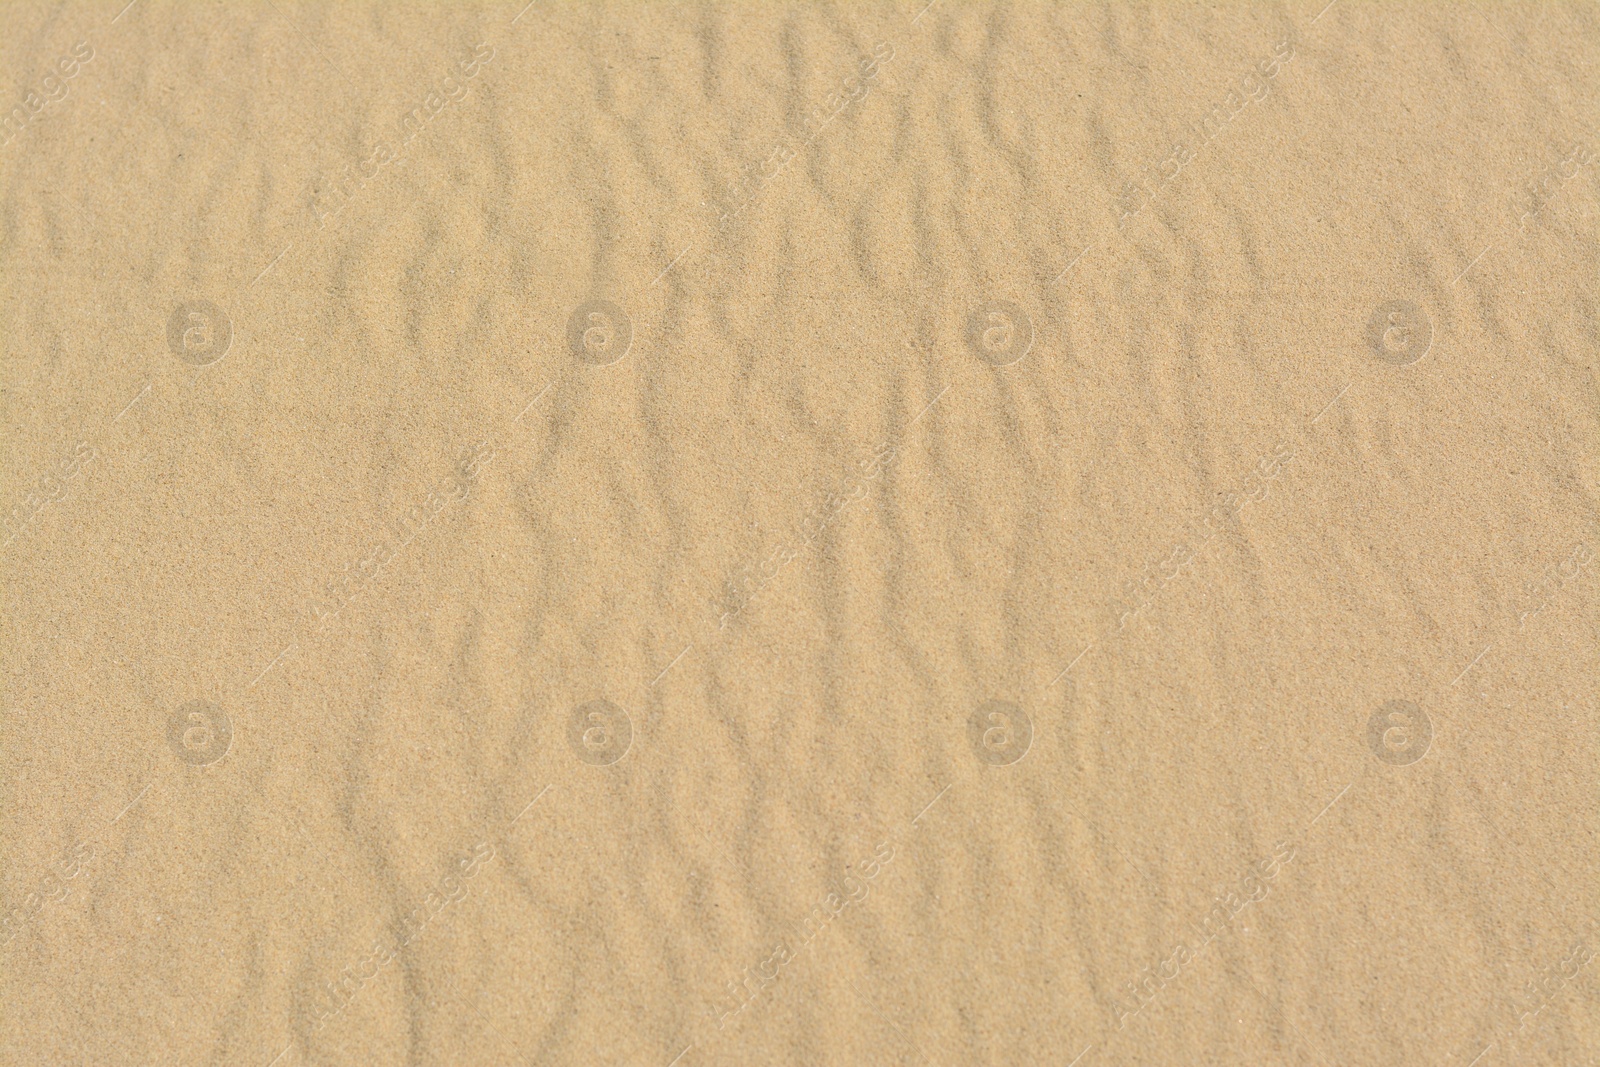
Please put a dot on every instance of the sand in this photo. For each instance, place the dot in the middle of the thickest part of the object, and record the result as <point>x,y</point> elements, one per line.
<point>735,534</point>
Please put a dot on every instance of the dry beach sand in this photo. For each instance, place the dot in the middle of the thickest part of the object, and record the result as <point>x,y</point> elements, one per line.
<point>693,534</point>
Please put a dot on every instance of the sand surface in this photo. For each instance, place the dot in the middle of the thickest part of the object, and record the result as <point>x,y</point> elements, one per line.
<point>694,534</point>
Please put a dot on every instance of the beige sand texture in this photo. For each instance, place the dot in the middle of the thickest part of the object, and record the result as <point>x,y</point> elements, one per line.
<point>694,534</point>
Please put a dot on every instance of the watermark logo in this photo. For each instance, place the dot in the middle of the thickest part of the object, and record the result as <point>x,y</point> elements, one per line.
<point>48,489</point>
<point>999,333</point>
<point>1252,88</point>
<point>358,577</point>
<point>599,732</point>
<point>1225,907</point>
<point>749,583</point>
<point>754,178</point>
<point>851,888</point>
<point>199,332</point>
<point>1000,732</point>
<point>199,733</point>
<point>1399,733</point>
<point>599,333</point>
<point>35,106</point>
<point>1539,594</point>
<point>332,195</point>
<point>332,999</point>
<point>1544,188</point>
<point>52,888</point>
<point>1399,332</point>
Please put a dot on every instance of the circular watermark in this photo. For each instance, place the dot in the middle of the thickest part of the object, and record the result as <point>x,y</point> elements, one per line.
<point>199,332</point>
<point>1399,332</point>
<point>199,732</point>
<point>599,333</point>
<point>599,732</point>
<point>1399,733</point>
<point>999,333</point>
<point>1000,732</point>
